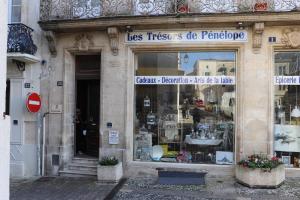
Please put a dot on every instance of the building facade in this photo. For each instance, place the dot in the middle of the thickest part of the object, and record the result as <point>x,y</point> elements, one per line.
<point>4,120</point>
<point>195,84</point>
<point>25,71</point>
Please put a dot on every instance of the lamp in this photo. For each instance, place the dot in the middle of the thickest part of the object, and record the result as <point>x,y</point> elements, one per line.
<point>186,58</point>
<point>296,111</point>
<point>240,26</point>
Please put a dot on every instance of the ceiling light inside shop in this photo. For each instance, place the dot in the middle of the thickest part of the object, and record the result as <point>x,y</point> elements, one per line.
<point>186,58</point>
<point>296,112</point>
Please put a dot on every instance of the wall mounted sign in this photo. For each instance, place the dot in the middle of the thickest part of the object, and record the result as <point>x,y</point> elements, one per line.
<point>184,80</point>
<point>26,85</point>
<point>60,83</point>
<point>33,102</point>
<point>113,137</point>
<point>287,80</point>
<point>272,39</point>
<point>187,36</point>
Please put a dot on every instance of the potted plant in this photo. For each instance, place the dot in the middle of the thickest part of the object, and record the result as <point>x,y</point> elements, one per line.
<point>260,172</point>
<point>182,6</point>
<point>261,6</point>
<point>109,169</point>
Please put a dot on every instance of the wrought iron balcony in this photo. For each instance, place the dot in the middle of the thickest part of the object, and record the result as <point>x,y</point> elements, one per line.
<point>78,9</point>
<point>20,39</point>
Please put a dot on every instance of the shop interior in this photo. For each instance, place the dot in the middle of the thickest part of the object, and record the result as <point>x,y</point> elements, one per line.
<point>287,113</point>
<point>185,123</point>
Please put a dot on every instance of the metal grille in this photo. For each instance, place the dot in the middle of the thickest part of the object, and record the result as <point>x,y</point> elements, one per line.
<point>74,9</point>
<point>20,39</point>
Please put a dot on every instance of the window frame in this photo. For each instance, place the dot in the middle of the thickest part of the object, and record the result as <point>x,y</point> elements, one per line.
<point>10,11</point>
<point>134,50</point>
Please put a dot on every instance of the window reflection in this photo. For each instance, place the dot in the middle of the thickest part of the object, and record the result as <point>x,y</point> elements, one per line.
<point>287,113</point>
<point>185,107</point>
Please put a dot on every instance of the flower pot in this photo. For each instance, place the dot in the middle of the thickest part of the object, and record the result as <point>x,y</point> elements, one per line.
<point>258,178</point>
<point>184,8</point>
<point>110,174</point>
<point>261,6</point>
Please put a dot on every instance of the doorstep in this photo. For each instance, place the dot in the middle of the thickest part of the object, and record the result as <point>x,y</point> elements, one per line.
<point>181,176</point>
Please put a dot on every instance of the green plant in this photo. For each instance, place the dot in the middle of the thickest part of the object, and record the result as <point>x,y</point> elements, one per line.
<point>262,162</point>
<point>108,161</point>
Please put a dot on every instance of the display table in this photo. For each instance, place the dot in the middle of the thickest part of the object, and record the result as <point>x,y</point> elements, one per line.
<point>202,142</point>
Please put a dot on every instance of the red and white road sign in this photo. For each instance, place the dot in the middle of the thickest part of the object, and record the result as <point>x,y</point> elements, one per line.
<point>33,102</point>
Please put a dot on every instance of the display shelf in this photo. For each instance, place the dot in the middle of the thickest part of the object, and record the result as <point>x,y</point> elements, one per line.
<point>170,129</point>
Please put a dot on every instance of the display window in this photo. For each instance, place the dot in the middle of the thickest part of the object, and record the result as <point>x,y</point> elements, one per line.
<point>287,110</point>
<point>185,106</point>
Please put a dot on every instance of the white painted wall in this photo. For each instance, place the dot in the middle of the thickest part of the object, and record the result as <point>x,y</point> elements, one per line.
<point>24,133</point>
<point>4,123</point>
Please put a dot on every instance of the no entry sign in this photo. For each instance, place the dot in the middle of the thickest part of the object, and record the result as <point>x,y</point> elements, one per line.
<point>33,102</point>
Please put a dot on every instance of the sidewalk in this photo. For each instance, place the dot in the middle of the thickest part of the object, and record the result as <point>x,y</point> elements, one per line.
<point>59,188</point>
<point>225,188</point>
<point>67,188</point>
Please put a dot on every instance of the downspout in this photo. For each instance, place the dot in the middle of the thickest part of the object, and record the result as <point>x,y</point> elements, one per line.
<point>43,143</point>
<point>44,140</point>
<point>39,143</point>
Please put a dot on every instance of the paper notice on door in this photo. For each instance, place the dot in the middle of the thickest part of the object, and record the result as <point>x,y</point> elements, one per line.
<point>113,137</point>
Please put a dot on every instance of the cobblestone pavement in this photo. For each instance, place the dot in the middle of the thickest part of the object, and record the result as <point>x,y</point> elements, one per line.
<point>59,188</point>
<point>225,188</point>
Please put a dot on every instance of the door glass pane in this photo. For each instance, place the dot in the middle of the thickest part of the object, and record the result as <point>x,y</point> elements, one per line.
<point>286,105</point>
<point>185,107</point>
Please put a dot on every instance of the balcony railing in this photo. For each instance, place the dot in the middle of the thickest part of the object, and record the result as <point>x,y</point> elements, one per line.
<point>77,9</point>
<point>20,39</point>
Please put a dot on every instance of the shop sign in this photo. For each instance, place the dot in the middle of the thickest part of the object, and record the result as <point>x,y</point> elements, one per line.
<point>187,36</point>
<point>287,80</point>
<point>184,80</point>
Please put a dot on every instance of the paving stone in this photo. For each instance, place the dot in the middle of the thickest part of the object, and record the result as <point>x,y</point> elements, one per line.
<point>59,188</point>
<point>215,189</point>
<point>66,188</point>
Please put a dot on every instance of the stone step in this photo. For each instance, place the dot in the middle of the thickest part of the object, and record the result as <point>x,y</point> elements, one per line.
<point>92,161</point>
<point>82,167</point>
<point>76,173</point>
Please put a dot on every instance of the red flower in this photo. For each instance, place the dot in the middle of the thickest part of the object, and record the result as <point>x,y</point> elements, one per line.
<point>274,158</point>
<point>183,9</point>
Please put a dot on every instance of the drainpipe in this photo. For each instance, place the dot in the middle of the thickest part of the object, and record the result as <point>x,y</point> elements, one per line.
<point>44,140</point>
<point>43,143</point>
<point>39,143</point>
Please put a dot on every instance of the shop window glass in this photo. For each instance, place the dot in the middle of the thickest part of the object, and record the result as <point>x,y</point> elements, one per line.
<point>286,105</point>
<point>185,107</point>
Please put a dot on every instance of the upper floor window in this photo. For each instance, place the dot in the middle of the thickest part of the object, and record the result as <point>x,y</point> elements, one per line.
<point>14,11</point>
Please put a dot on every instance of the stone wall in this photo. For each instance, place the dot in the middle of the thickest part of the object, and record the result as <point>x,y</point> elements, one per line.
<point>254,119</point>
<point>4,121</point>
<point>24,150</point>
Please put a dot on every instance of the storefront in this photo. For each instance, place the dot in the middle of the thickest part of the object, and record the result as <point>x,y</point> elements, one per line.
<point>184,86</point>
<point>286,107</point>
<point>191,94</point>
<point>208,103</point>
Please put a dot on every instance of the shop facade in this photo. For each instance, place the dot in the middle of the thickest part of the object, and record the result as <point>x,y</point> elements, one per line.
<point>199,91</point>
